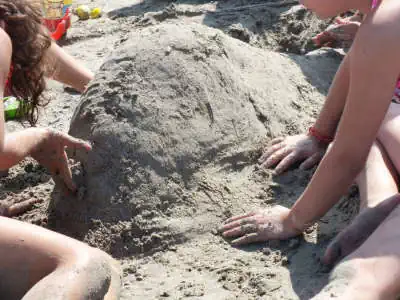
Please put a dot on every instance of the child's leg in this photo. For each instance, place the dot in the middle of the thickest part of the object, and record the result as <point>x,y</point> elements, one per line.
<point>64,68</point>
<point>377,186</point>
<point>377,181</point>
<point>36,263</point>
<point>389,134</point>
<point>373,270</point>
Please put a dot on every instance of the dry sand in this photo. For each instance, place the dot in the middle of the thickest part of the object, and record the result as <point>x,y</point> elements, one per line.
<point>174,251</point>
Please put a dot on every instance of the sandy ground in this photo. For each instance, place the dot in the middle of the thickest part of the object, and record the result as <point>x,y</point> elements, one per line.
<point>205,266</point>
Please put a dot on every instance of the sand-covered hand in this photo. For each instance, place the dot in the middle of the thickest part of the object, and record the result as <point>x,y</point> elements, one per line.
<point>260,226</point>
<point>284,152</point>
<point>51,154</point>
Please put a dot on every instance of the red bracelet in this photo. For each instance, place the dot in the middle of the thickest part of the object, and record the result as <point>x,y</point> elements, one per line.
<point>320,137</point>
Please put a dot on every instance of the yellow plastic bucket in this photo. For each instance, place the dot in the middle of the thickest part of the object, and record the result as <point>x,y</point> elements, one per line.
<point>55,9</point>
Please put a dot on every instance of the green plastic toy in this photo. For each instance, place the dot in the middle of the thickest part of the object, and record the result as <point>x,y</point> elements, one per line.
<point>13,108</point>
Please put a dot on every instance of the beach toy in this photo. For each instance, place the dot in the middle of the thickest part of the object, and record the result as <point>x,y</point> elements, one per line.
<point>83,12</point>
<point>95,13</point>
<point>13,108</point>
<point>57,17</point>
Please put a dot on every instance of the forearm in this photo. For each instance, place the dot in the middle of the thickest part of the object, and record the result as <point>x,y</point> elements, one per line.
<point>329,183</point>
<point>329,117</point>
<point>19,145</point>
<point>65,69</point>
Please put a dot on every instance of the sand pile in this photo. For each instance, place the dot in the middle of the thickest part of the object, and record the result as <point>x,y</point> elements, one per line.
<point>177,115</point>
<point>170,104</point>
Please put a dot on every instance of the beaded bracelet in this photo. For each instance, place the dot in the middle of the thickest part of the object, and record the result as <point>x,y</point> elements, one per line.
<point>312,131</point>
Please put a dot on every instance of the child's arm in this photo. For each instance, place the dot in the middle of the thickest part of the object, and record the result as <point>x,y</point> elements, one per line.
<point>289,150</point>
<point>46,146</point>
<point>5,62</point>
<point>374,68</point>
<point>13,147</point>
<point>330,114</point>
<point>65,69</point>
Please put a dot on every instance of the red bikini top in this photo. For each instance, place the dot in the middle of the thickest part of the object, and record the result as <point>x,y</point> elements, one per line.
<point>8,80</point>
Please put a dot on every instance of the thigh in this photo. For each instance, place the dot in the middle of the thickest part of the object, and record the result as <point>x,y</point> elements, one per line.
<point>28,253</point>
<point>389,135</point>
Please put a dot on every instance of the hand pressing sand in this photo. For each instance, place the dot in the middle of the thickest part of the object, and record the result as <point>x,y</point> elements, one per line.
<point>12,210</point>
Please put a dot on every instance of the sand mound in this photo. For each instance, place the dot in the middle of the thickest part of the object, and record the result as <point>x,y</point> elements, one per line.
<point>177,116</point>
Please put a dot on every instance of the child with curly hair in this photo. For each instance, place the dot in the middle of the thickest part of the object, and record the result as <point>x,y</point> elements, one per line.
<point>36,263</point>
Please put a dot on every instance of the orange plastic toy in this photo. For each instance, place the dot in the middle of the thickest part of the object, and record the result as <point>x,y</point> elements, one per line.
<point>57,17</point>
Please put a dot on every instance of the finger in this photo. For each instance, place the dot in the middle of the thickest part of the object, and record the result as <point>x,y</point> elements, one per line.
<point>341,21</point>
<point>322,38</point>
<point>238,223</point>
<point>276,157</point>
<point>277,141</point>
<point>65,173</point>
<point>235,218</point>
<point>247,239</point>
<point>311,161</point>
<point>72,142</point>
<point>22,207</point>
<point>269,151</point>
<point>286,163</point>
<point>330,44</point>
<point>240,230</point>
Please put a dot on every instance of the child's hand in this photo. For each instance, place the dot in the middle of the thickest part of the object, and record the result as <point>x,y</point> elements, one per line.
<point>287,151</point>
<point>50,153</point>
<point>264,225</point>
<point>337,35</point>
<point>12,210</point>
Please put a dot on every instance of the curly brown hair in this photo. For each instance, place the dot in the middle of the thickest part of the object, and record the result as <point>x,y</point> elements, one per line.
<point>30,42</point>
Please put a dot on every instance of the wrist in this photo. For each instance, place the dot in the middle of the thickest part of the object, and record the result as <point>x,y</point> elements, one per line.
<point>38,136</point>
<point>318,135</point>
<point>297,223</point>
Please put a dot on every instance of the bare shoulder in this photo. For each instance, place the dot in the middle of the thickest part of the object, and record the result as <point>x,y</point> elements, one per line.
<point>379,36</point>
<point>5,40</point>
<point>384,21</point>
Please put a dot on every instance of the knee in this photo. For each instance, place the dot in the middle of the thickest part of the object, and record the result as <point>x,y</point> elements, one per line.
<point>389,125</point>
<point>375,149</point>
<point>99,271</point>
